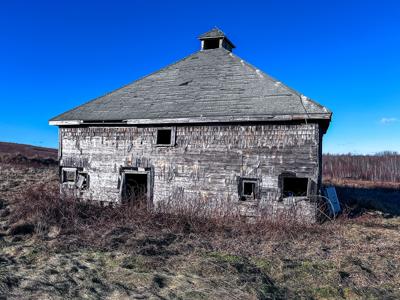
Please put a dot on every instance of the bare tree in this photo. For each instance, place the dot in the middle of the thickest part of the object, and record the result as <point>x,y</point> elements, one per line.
<point>383,166</point>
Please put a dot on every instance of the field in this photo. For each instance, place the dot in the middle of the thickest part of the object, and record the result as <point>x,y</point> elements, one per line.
<point>66,251</point>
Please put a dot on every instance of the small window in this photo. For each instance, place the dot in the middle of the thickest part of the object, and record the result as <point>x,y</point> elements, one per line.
<point>248,189</point>
<point>68,175</point>
<point>294,186</point>
<point>165,137</point>
<point>211,44</point>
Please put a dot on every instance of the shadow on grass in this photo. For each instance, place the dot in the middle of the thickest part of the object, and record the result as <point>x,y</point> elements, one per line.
<point>386,200</point>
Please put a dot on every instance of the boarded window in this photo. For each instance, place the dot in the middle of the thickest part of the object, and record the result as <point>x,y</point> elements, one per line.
<point>165,137</point>
<point>69,175</point>
<point>294,186</point>
<point>82,181</point>
<point>248,189</point>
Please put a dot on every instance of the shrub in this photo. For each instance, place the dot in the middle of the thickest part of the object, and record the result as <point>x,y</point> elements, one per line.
<point>87,222</point>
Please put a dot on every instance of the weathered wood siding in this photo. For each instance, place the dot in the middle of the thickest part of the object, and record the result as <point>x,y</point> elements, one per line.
<point>205,162</point>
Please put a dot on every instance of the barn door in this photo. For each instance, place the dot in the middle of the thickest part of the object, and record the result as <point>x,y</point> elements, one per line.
<point>135,189</point>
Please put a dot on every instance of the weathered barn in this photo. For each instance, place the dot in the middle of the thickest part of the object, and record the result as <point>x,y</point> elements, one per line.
<point>210,126</point>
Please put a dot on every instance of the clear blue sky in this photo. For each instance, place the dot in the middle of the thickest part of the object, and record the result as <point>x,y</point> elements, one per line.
<point>55,55</point>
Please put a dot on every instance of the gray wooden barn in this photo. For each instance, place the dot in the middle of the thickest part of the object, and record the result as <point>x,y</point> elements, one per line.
<point>210,126</point>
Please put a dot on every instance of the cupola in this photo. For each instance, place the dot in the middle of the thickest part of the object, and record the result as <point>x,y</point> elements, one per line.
<point>215,38</point>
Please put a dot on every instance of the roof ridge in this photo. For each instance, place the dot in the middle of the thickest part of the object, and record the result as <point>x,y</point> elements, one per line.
<point>275,81</point>
<point>297,93</point>
<point>266,75</point>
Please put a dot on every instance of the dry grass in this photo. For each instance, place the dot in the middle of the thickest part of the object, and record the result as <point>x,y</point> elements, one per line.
<point>369,184</point>
<point>42,206</point>
<point>80,250</point>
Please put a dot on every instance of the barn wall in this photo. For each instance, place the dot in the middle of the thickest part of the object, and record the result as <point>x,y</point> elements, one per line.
<point>205,163</point>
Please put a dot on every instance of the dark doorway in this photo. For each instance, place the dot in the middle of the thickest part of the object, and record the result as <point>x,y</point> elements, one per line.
<point>135,190</point>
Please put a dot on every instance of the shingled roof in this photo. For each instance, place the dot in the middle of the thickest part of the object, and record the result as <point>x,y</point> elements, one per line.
<point>208,86</point>
<point>212,34</point>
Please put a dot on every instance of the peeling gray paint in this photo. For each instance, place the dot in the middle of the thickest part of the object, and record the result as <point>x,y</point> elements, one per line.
<point>205,162</point>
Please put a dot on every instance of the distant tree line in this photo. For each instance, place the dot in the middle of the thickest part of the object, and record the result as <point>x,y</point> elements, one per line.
<point>383,166</point>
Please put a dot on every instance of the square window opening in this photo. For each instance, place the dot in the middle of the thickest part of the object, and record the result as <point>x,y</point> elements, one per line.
<point>248,189</point>
<point>295,186</point>
<point>211,44</point>
<point>68,175</point>
<point>164,137</point>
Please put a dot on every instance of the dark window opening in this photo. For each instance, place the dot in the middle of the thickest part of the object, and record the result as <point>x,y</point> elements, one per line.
<point>135,189</point>
<point>164,136</point>
<point>294,186</point>
<point>211,44</point>
<point>68,175</point>
<point>83,181</point>
<point>248,189</point>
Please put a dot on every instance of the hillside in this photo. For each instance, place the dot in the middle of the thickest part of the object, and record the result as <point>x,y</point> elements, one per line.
<point>21,154</point>
<point>28,151</point>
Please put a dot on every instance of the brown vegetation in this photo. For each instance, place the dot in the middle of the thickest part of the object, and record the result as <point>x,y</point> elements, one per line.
<point>29,151</point>
<point>58,248</point>
<point>372,169</point>
<point>81,250</point>
<point>43,207</point>
<point>365,182</point>
<point>27,155</point>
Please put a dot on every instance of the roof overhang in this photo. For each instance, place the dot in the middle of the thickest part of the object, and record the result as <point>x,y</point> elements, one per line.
<point>200,119</point>
<point>65,123</point>
<point>226,119</point>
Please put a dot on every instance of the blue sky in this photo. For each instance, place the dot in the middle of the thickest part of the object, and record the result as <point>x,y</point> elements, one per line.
<point>55,55</point>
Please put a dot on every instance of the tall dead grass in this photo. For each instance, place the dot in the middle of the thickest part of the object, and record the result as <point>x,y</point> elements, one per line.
<point>87,222</point>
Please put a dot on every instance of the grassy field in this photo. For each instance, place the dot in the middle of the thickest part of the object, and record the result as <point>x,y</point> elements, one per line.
<point>155,259</point>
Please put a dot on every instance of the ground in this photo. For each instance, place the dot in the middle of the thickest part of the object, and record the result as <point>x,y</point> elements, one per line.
<point>355,259</point>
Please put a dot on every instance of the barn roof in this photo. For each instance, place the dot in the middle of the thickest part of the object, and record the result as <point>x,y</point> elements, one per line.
<point>208,86</point>
<point>213,33</point>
